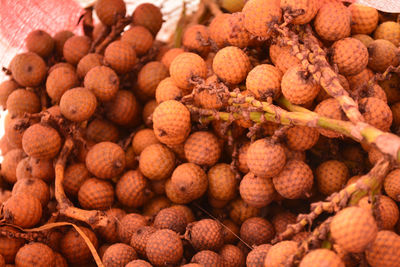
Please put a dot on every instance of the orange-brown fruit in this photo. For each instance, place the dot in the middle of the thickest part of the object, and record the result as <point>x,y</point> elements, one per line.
<point>99,130</point>
<point>284,59</point>
<point>35,254</point>
<point>61,64</point>
<point>260,16</point>
<point>121,56</point>
<point>41,141</point>
<point>350,56</point>
<point>154,205</point>
<point>282,219</point>
<point>6,88</point>
<point>188,182</point>
<point>140,237</point>
<point>185,67</point>
<point>109,11</point>
<point>23,210</point>
<point>301,138</point>
<point>75,48</point>
<point>364,19</point>
<point>110,232</point>
<point>264,81</point>
<point>10,163</point>
<point>132,189</point>
<point>242,157</point>
<point>157,162</point>
<point>230,231</point>
<point>295,180</point>
<point>353,229</point>
<point>222,182</point>
<point>298,85</point>
<point>235,31</point>
<point>9,246</point>
<point>59,40</point>
<point>202,148</point>
<point>390,86</point>
<point>218,29</point>
<point>279,254</point>
<point>96,194</point>
<point>205,234</point>
<point>172,219</point>
<point>34,187</point>
<point>370,90</point>
<point>239,211</point>
<point>170,55</point>
<point>74,248</point>
<point>382,54</point>
<point>164,248</point>
<point>22,101</point>
<point>257,256</point>
<point>60,260</point>
<point>256,231</point>
<point>256,191</point>
<point>40,42</point>
<point>395,108</point>
<point>231,65</point>
<point>142,139</point>
<point>389,30</point>
<point>28,69</point>
<point>149,77</point>
<point>383,251</point>
<point>363,38</point>
<point>331,176</point>
<point>139,38</point>
<point>138,263</point>
<point>232,256</point>
<point>149,16</point>
<point>23,170</point>
<point>59,81</point>
<point>359,80</point>
<point>148,111</point>
<point>14,131</point>
<point>207,258</point>
<point>376,112</point>
<point>171,122</point>
<point>330,108</point>
<point>103,81</point>
<point>265,159</point>
<point>124,109</point>
<point>392,184</point>
<point>196,39</point>
<point>75,175</point>
<point>167,90</point>
<point>105,160</point>
<point>78,104</point>
<point>309,7</point>
<point>385,210</point>
<point>129,224</point>
<point>118,254</point>
<point>87,63</point>
<point>321,257</point>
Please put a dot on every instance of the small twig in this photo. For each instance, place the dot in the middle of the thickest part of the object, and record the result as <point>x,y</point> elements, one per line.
<point>115,32</point>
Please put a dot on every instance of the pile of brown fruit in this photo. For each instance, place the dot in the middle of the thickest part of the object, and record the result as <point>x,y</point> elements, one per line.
<point>262,134</point>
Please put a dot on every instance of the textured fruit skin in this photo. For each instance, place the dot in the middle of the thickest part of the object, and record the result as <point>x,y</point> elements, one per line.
<point>40,42</point>
<point>138,263</point>
<point>59,40</point>
<point>157,162</point>
<point>6,88</point>
<point>390,31</point>
<point>186,66</point>
<point>364,19</point>
<point>232,256</point>
<point>242,158</point>
<point>382,54</point>
<point>103,81</point>
<point>376,112</point>
<point>149,16</point>
<point>320,257</point>
<point>96,194</point>
<point>75,48</point>
<point>121,56</point>
<point>78,104</point>
<point>167,90</point>
<point>171,122</point>
<point>172,219</point>
<point>164,248</point>
<point>140,237</point>
<point>34,187</point>
<point>301,138</point>
<point>260,16</point>
<point>23,210</point>
<point>142,139</point>
<point>59,81</point>
<point>75,175</point>
<point>239,211</point>
<point>256,231</point>
<point>74,248</point>
<point>231,65</point>
<point>350,55</point>
<point>383,251</point>
<point>331,176</point>
<point>310,8</point>
<point>264,81</point>
<point>279,253</point>
<point>360,79</point>
<point>105,160</point>
<point>149,77</point>
<point>28,69</point>
<point>353,229</point>
<point>222,182</point>
<point>295,180</point>
<point>139,38</point>
<point>330,108</point>
<point>333,21</point>
<point>88,62</point>
<point>206,234</point>
<point>148,111</point>
<point>132,189</point>
<point>385,211</point>
<point>202,148</point>
<point>35,254</point>
<point>41,141</point>
<point>363,38</point>
<point>99,130</point>
<point>170,55</point>
<point>129,224</point>
<point>124,109</point>
<point>118,255</point>
<point>298,86</point>
<point>392,184</point>
<point>195,38</point>
<point>21,101</point>
<point>265,159</point>
<point>110,233</point>
<point>152,207</point>
<point>390,88</point>
<point>10,163</point>
<point>10,246</point>
<point>236,33</point>
<point>256,257</point>
<point>218,29</point>
<point>207,258</point>
<point>282,219</point>
<point>109,11</point>
<point>284,59</point>
<point>256,191</point>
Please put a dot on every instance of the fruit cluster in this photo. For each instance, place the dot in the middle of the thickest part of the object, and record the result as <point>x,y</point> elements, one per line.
<point>267,135</point>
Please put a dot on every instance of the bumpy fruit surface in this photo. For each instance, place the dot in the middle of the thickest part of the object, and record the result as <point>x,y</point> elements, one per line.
<point>103,81</point>
<point>256,231</point>
<point>164,247</point>
<point>264,81</point>
<point>206,234</point>
<point>279,253</point>
<point>23,210</point>
<point>383,251</point>
<point>185,67</point>
<point>139,38</point>
<point>41,141</point>
<point>78,104</point>
<point>109,11</point>
<point>157,162</point>
<point>364,19</point>
<point>40,42</point>
<point>35,254</point>
<point>256,191</point>
<point>321,257</point>
<point>118,254</point>
<point>309,7</point>
<point>28,69</point>
<point>331,176</point>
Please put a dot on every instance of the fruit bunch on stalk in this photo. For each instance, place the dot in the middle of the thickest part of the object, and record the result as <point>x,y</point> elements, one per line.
<point>265,133</point>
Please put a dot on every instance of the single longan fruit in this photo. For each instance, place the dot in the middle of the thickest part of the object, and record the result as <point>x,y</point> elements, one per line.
<point>261,16</point>
<point>78,104</point>
<point>256,191</point>
<point>149,77</point>
<point>124,109</point>
<point>23,210</point>
<point>350,55</point>
<point>172,219</point>
<point>142,139</point>
<point>129,224</point>
<point>256,231</point>
<point>364,19</point>
<point>34,187</point>
<point>75,48</point>
<point>385,210</point>
<point>139,38</point>
<point>280,253</point>
<point>383,251</point>
<point>109,11</point>
<point>164,247</point>
<point>87,63</point>
<point>22,101</point>
<point>28,69</point>
<point>96,194</point>
<point>202,148</point>
<point>9,246</point>
<point>99,130</point>
<point>105,160</point>
<point>132,189</point>
<point>154,205</point>
<point>6,88</point>
<point>196,39</point>
<point>376,112</point>
<point>264,81</point>
<point>171,122</point>
<point>157,162</point>
<point>140,237</point>
<point>206,234</point>
<point>41,141</point>
<point>321,256</point>
<point>75,175</point>
<point>353,229</point>
<point>231,64</point>
<point>257,256</point>
<point>392,184</point>
<point>236,33</point>
<point>331,176</point>
<point>35,254</point>
<point>40,42</point>
<point>333,21</point>
<point>59,81</point>
<point>330,108</point>
<point>206,258</point>
<point>232,256</point>
<point>167,90</point>
<point>218,29</point>
<point>118,254</point>
<point>281,220</point>
<point>121,56</point>
<point>310,8</point>
<point>382,54</point>
<point>170,55</point>
<point>222,182</point>
<point>389,30</point>
<point>10,163</point>
<point>103,81</point>
<point>149,16</point>
<point>59,40</point>
<point>301,138</point>
<point>138,263</point>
